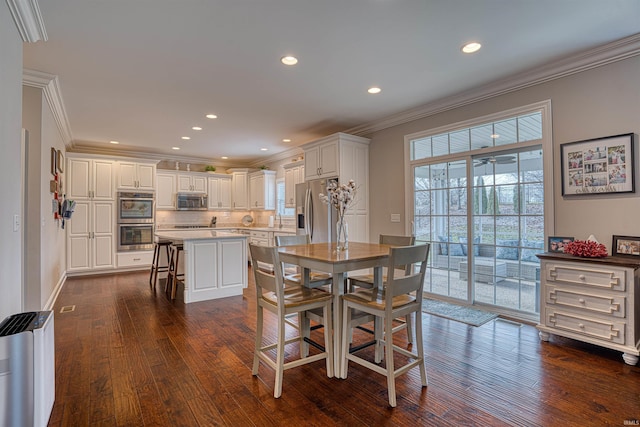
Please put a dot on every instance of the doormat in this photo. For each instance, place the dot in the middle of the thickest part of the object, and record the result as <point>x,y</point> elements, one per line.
<point>470,316</point>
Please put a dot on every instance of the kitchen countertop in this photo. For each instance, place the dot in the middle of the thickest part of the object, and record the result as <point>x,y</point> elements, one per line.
<point>196,234</point>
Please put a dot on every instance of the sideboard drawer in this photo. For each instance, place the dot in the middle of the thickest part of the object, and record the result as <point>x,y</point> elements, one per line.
<point>613,305</point>
<point>598,278</point>
<point>607,330</point>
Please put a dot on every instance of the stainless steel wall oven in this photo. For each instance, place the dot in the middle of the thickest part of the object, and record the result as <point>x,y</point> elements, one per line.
<point>136,221</point>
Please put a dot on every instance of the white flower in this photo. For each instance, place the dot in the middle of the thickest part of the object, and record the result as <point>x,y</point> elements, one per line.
<point>340,196</point>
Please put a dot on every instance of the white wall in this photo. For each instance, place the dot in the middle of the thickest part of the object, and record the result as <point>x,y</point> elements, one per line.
<point>10,163</point>
<point>596,103</point>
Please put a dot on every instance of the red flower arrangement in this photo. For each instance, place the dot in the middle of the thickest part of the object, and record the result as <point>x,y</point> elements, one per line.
<point>586,249</point>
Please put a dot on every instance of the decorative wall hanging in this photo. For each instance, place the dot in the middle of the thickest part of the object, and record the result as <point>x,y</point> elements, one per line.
<point>598,166</point>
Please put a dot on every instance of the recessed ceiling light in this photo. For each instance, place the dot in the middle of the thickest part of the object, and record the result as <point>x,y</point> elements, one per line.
<point>186,137</point>
<point>211,116</point>
<point>495,136</point>
<point>114,142</point>
<point>175,148</point>
<point>286,140</point>
<point>289,60</point>
<point>224,157</point>
<point>263,149</point>
<point>374,90</point>
<point>196,128</point>
<point>471,47</point>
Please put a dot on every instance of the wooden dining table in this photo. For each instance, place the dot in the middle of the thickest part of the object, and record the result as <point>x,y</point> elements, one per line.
<point>326,258</point>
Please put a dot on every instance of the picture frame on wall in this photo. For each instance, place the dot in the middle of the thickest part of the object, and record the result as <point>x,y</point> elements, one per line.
<point>598,166</point>
<point>60,161</point>
<point>54,161</point>
<point>626,246</point>
<point>557,243</point>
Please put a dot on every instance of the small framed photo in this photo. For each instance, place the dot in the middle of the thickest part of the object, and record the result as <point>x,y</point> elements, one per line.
<point>598,166</point>
<point>557,243</point>
<point>60,162</point>
<point>626,246</point>
<point>54,161</point>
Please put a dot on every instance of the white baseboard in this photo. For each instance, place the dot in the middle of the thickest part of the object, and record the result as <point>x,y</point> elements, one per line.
<point>56,291</point>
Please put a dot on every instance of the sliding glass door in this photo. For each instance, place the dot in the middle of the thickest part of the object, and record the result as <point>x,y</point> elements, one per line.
<point>479,200</point>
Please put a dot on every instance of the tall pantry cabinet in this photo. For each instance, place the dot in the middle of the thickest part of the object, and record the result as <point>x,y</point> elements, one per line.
<point>90,235</point>
<point>345,157</point>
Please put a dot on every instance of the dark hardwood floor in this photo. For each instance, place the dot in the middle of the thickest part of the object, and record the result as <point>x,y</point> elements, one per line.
<point>129,357</point>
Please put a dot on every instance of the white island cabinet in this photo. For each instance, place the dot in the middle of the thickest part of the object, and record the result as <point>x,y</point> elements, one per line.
<point>215,263</point>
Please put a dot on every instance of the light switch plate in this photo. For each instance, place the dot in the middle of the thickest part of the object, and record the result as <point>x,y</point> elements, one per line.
<point>395,217</point>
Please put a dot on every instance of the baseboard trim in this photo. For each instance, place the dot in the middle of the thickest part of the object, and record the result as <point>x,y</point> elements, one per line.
<point>56,291</point>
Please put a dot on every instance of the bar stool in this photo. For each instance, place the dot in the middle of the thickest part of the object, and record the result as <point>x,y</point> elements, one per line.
<point>173,276</point>
<point>156,268</point>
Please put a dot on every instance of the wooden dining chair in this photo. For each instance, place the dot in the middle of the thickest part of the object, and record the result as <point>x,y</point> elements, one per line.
<point>292,274</point>
<point>366,280</point>
<point>272,296</point>
<point>401,296</point>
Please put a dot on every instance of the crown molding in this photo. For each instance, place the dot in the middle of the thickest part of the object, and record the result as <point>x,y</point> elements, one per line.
<point>602,55</point>
<point>26,14</point>
<point>51,89</point>
<point>292,152</point>
<point>118,151</point>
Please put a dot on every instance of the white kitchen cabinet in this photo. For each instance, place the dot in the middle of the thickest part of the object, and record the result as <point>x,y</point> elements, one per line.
<point>166,193</point>
<point>293,174</point>
<point>351,159</point>
<point>192,183</point>
<point>90,236</point>
<point>136,176</point>
<point>321,160</point>
<point>239,188</point>
<point>89,179</point>
<point>219,192</point>
<point>262,190</point>
<point>90,231</point>
<point>593,300</point>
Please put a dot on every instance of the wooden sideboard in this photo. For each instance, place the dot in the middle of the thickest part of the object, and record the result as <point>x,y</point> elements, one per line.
<point>593,300</point>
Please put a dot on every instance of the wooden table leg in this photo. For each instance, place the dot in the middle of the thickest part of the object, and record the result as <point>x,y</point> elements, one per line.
<point>338,289</point>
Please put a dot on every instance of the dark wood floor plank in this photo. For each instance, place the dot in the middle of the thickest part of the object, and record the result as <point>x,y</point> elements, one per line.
<point>129,356</point>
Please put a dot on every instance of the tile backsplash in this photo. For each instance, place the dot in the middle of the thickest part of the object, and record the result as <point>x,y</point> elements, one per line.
<point>225,218</point>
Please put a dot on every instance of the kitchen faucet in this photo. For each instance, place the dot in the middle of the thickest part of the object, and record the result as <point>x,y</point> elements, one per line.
<point>214,220</point>
<point>280,220</point>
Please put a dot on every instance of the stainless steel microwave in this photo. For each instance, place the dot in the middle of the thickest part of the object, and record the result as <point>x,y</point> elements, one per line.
<point>191,201</point>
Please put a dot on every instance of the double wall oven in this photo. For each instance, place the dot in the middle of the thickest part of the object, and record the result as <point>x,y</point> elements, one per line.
<point>135,221</point>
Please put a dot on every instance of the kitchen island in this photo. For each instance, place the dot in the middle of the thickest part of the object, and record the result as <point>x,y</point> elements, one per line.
<point>215,263</point>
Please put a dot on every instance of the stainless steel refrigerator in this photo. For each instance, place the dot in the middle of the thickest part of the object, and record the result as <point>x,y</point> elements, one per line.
<point>314,217</point>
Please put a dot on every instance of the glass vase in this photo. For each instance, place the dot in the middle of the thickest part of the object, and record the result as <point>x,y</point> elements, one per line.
<point>342,235</point>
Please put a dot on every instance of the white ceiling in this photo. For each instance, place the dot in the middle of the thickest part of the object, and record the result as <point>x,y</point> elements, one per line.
<point>143,72</point>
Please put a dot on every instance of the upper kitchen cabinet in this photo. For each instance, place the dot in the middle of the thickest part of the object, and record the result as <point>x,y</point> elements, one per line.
<point>192,182</point>
<point>293,174</point>
<point>348,157</point>
<point>321,159</point>
<point>166,194</point>
<point>239,188</point>
<point>90,178</point>
<point>219,192</point>
<point>331,156</point>
<point>262,190</point>
<point>136,176</point>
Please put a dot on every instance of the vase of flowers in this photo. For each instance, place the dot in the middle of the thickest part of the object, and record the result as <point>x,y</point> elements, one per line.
<point>341,197</point>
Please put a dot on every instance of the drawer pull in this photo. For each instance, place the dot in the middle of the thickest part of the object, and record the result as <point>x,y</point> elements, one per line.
<point>581,300</point>
<point>581,325</point>
<point>581,277</point>
<point>136,259</point>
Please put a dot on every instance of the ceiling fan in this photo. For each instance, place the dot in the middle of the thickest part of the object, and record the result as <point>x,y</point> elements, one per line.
<point>495,159</point>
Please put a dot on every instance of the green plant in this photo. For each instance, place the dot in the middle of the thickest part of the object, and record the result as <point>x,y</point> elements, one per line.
<point>263,167</point>
<point>210,168</point>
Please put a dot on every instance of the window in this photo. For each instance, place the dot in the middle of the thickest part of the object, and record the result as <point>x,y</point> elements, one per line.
<point>280,197</point>
<point>479,200</point>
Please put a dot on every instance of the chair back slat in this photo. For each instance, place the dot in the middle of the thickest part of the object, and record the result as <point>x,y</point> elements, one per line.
<point>393,240</point>
<point>411,281</point>
<point>294,239</point>
<point>268,280</point>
